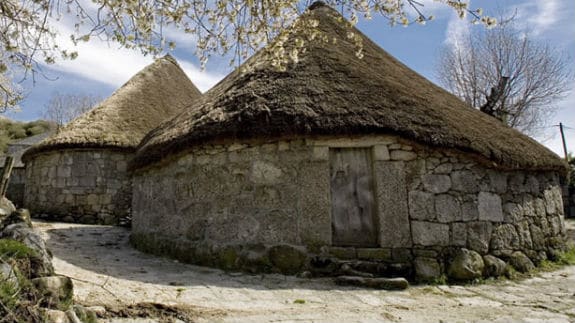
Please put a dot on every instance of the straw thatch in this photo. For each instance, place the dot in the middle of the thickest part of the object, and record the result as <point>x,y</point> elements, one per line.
<point>332,92</point>
<point>155,93</point>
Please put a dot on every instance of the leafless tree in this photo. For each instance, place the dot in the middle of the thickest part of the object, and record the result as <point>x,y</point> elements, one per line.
<point>507,74</point>
<point>63,108</point>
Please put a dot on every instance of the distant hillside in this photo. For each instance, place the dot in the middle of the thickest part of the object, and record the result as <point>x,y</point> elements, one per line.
<point>11,130</point>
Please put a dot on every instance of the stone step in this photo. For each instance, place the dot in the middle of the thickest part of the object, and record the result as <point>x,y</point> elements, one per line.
<point>328,266</point>
<point>377,283</point>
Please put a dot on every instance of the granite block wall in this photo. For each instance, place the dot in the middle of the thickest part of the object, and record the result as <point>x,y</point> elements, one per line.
<point>84,186</point>
<point>233,206</point>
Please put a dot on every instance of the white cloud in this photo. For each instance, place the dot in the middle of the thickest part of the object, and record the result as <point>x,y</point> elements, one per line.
<point>546,14</point>
<point>433,7</point>
<point>203,80</point>
<point>540,16</point>
<point>457,31</point>
<point>106,62</point>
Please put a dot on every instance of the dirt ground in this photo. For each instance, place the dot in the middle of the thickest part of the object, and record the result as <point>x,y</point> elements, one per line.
<point>108,273</point>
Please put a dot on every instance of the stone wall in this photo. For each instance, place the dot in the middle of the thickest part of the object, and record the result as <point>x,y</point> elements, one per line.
<point>85,186</point>
<point>15,191</point>
<point>251,207</point>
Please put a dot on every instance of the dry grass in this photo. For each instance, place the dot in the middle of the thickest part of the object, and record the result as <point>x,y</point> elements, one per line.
<point>332,92</point>
<point>157,92</point>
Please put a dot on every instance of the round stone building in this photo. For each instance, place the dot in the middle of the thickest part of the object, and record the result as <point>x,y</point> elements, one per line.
<point>80,173</point>
<point>338,165</point>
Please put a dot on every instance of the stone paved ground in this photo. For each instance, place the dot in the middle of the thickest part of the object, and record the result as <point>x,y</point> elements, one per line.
<point>108,272</point>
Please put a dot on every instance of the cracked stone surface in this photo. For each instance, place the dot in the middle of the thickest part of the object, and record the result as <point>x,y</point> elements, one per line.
<point>107,272</point>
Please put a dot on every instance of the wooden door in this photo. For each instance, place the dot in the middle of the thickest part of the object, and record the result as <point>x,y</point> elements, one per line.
<point>352,197</point>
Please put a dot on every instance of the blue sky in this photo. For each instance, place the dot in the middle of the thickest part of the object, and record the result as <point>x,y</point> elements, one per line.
<point>101,67</point>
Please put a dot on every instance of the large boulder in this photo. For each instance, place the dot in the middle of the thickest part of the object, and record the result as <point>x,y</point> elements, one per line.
<point>18,216</point>
<point>521,262</point>
<point>426,269</point>
<point>466,265</point>
<point>494,267</point>
<point>21,232</point>
<point>287,259</point>
<point>56,292</point>
<point>6,207</point>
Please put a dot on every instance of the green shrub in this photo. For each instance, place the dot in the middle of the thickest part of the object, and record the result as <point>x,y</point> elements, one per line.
<point>9,294</point>
<point>13,249</point>
<point>15,130</point>
<point>567,257</point>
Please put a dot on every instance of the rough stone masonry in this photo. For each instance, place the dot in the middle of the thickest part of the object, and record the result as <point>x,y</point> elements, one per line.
<point>266,207</point>
<point>85,186</point>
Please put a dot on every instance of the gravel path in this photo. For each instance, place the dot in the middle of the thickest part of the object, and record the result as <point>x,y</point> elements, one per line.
<point>108,272</point>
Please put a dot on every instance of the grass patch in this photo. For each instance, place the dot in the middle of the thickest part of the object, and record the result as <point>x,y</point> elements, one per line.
<point>299,301</point>
<point>9,294</point>
<point>16,250</point>
<point>566,258</point>
<point>441,280</point>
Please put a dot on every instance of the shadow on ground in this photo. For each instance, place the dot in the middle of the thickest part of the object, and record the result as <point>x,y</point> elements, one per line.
<point>106,250</point>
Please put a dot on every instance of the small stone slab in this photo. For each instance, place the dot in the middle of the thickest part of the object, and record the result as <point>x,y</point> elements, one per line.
<point>376,283</point>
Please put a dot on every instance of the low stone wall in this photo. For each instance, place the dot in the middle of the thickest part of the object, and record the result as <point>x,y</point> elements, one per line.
<point>254,207</point>
<point>85,186</point>
<point>15,191</point>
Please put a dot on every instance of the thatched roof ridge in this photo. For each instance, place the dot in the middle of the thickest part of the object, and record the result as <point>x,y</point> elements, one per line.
<point>332,92</point>
<point>157,92</point>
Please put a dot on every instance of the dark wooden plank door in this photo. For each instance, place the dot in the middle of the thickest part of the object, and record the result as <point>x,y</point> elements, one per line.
<point>352,197</point>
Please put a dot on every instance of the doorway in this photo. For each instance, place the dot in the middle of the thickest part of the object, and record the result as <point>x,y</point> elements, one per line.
<point>353,207</point>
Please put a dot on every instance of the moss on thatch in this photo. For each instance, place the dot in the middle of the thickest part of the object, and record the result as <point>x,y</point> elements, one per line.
<point>332,92</point>
<point>155,93</point>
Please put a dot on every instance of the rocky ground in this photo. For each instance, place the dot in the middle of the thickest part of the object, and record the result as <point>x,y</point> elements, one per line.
<point>119,281</point>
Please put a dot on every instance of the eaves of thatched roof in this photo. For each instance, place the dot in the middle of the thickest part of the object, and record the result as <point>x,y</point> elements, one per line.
<point>151,96</point>
<point>332,92</point>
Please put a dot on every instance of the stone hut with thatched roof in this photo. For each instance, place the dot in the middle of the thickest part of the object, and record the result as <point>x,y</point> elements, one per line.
<point>339,164</point>
<point>80,174</point>
<point>16,149</point>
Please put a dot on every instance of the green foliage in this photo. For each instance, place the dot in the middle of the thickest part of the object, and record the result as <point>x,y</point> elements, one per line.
<point>4,140</point>
<point>8,295</point>
<point>566,258</point>
<point>441,280</point>
<point>13,249</point>
<point>15,130</point>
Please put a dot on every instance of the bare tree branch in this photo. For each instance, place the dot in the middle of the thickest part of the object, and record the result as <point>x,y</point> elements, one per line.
<point>63,108</point>
<point>506,74</point>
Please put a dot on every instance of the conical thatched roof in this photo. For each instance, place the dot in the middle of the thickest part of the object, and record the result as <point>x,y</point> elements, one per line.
<point>157,92</point>
<point>332,92</point>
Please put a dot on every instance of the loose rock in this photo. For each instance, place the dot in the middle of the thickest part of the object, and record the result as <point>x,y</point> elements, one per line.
<point>42,264</point>
<point>467,265</point>
<point>377,283</point>
<point>494,267</point>
<point>6,207</point>
<point>56,292</point>
<point>521,262</point>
